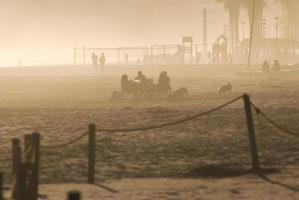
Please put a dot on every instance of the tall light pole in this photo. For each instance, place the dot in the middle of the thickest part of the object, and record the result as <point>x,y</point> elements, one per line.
<point>276,27</point>
<point>264,28</point>
<point>251,33</point>
<point>243,29</point>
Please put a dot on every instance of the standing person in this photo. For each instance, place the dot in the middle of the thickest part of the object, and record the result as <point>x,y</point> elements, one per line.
<point>102,62</point>
<point>94,59</point>
<point>164,83</point>
<point>265,66</point>
<point>276,66</point>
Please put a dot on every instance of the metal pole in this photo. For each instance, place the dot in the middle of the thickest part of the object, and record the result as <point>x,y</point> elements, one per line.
<point>84,54</point>
<point>205,35</point>
<point>276,28</point>
<point>75,56</point>
<point>118,56</point>
<point>243,29</point>
<point>251,34</point>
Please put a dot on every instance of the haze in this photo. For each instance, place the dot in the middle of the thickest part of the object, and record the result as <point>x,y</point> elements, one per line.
<point>45,31</point>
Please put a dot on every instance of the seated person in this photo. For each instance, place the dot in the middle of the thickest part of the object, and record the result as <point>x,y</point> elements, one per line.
<point>140,77</point>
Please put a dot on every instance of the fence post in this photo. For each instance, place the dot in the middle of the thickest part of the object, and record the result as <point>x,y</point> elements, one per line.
<point>91,153</point>
<point>1,186</point>
<point>27,148</point>
<point>35,166</point>
<point>16,163</point>
<point>251,132</point>
<point>16,153</point>
<point>74,195</point>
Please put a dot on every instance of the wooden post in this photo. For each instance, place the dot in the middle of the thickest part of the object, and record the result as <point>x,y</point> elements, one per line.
<point>35,166</point>
<point>251,132</point>
<point>1,186</point>
<point>91,153</point>
<point>16,154</point>
<point>16,163</point>
<point>22,176</point>
<point>74,195</point>
<point>27,148</point>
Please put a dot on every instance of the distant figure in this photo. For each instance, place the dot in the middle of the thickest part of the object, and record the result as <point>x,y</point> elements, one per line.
<point>102,61</point>
<point>140,77</point>
<point>94,59</point>
<point>126,59</point>
<point>265,66</point>
<point>276,66</point>
<point>225,89</point>
<point>164,83</point>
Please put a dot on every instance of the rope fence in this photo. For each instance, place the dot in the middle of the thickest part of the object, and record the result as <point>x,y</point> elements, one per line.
<point>272,122</point>
<point>73,141</point>
<point>180,121</point>
<point>91,151</point>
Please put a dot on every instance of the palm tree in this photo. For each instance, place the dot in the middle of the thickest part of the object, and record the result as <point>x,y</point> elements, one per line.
<point>259,11</point>
<point>290,18</point>
<point>233,9</point>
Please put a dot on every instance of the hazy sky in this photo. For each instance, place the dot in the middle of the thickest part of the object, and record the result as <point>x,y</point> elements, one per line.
<point>45,31</point>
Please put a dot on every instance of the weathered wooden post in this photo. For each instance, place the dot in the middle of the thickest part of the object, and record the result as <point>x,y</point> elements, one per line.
<point>1,186</point>
<point>16,165</point>
<point>28,148</point>
<point>91,153</point>
<point>74,195</point>
<point>35,166</point>
<point>251,132</point>
<point>16,154</point>
<point>22,178</point>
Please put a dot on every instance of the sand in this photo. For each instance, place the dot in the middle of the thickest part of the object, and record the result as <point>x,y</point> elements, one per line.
<point>196,160</point>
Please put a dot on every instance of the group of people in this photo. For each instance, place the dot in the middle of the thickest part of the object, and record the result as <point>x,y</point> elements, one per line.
<point>96,61</point>
<point>144,86</point>
<point>163,85</point>
<point>276,66</point>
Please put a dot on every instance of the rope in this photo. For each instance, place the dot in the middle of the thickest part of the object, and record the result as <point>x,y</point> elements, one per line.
<point>268,119</point>
<point>174,122</point>
<point>67,143</point>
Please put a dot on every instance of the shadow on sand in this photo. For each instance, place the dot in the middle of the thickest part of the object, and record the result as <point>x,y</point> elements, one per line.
<point>286,186</point>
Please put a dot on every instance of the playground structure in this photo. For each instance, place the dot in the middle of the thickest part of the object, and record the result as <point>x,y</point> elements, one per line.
<point>185,53</point>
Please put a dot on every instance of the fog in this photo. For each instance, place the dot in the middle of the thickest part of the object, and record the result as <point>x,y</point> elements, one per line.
<point>46,31</point>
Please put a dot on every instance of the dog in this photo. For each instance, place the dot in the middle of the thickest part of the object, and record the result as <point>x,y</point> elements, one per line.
<point>179,94</point>
<point>116,95</point>
<point>225,89</point>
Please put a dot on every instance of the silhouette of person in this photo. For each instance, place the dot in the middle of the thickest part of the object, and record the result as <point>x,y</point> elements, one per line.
<point>265,66</point>
<point>164,83</point>
<point>94,59</point>
<point>276,65</point>
<point>140,77</point>
<point>102,61</point>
